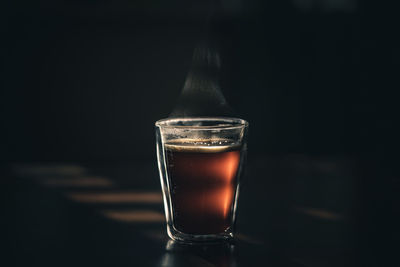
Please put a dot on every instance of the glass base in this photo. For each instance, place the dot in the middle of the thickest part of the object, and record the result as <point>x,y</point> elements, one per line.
<point>178,236</point>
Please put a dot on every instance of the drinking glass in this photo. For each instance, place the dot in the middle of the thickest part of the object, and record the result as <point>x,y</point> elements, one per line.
<point>200,161</point>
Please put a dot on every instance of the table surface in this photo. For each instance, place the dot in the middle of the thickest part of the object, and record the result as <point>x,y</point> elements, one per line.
<point>293,210</point>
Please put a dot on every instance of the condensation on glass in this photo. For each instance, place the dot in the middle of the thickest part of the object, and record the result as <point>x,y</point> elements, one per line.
<point>200,162</point>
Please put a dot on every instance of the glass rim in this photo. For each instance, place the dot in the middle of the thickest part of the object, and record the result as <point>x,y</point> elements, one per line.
<point>226,123</point>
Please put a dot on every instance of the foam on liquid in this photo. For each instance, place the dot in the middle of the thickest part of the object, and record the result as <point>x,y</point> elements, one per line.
<point>201,146</point>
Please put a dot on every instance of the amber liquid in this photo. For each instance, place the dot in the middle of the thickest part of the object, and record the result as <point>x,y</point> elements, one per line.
<point>203,183</point>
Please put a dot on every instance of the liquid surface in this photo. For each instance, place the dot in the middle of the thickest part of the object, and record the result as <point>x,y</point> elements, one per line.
<point>203,181</point>
<point>201,146</point>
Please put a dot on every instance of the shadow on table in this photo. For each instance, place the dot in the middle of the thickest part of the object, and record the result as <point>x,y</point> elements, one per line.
<point>294,211</point>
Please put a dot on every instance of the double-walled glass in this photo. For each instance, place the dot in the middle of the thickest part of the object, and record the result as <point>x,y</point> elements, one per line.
<point>200,162</point>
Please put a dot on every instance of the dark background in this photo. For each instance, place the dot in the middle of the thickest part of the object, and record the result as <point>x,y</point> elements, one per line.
<point>84,81</point>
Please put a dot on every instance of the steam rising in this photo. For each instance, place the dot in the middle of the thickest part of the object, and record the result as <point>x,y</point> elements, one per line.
<point>201,94</point>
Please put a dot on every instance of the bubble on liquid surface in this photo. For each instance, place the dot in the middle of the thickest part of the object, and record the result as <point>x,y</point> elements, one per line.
<point>209,146</point>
